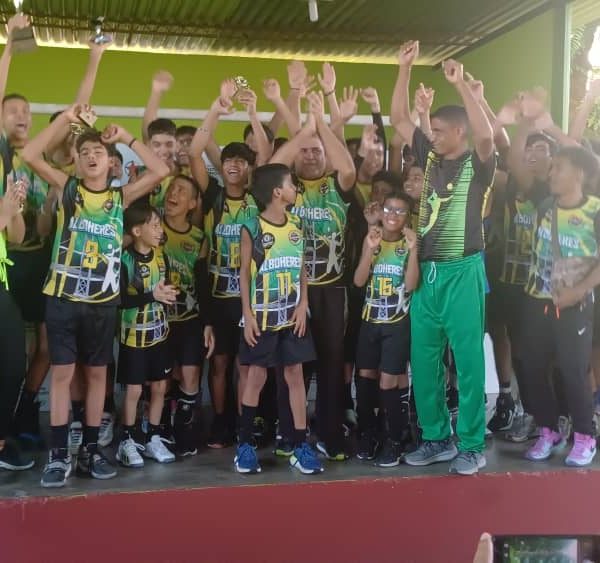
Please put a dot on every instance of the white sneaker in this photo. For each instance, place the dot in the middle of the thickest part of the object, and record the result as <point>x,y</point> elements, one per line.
<point>156,450</point>
<point>107,426</point>
<point>75,437</point>
<point>128,454</point>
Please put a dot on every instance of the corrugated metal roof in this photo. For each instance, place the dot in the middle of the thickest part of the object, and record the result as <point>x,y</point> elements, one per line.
<point>585,12</point>
<point>354,30</point>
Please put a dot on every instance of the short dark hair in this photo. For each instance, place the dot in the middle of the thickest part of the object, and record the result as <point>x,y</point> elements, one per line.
<point>185,130</point>
<point>388,177</point>
<point>581,159</point>
<point>267,129</point>
<point>91,136</point>
<point>266,179</point>
<point>9,97</point>
<point>353,141</point>
<point>161,126</point>
<point>54,116</point>
<point>541,136</point>
<point>113,151</point>
<point>402,195</point>
<point>456,115</point>
<point>238,150</point>
<point>137,214</point>
<point>278,142</point>
<point>195,186</point>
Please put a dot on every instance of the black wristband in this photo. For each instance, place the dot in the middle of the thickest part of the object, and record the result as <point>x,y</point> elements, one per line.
<point>329,93</point>
<point>131,142</point>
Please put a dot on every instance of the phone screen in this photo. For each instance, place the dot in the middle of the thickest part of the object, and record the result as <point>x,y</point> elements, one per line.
<point>547,549</point>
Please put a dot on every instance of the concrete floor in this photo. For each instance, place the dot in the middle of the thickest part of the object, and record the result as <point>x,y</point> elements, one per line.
<point>214,468</point>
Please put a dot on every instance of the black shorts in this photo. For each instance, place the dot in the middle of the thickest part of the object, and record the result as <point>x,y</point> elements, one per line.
<point>186,342</point>
<point>80,332</point>
<point>505,309</point>
<point>278,348</point>
<point>226,324</point>
<point>138,365</point>
<point>26,280</point>
<point>384,346</point>
<point>356,299</point>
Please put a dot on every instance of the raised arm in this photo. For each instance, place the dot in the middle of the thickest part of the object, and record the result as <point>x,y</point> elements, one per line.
<point>396,162</point>
<point>579,123</point>
<point>327,80</point>
<point>423,102</point>
<point>400,111</point>
<point>11,217</point>
<point>272,92</point>
<point>348,107</point>
<point>264,148</point>
<point>481,130</point>
<point>371,97</point>
<point>161,83</point>
<point>336,150</point>
<point>84,94</point>
<point>288,151</point>
<point>299,81</point>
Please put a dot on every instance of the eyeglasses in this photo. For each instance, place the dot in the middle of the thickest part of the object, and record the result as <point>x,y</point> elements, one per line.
<point>395,210</point>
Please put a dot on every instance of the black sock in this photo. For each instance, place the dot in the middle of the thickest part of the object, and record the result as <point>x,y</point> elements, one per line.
<point>165,417</point>
<point>77,411</point>
<point>109,403</point>
<point>348,401</point>
<point>153,430</point>
<point>366,402</point>
<point>246,420</point>
<point>184,409</point>
<point>90,438</point>
<point>59,437</point>
<point>299,437</point>
<point>395,403</point>
<point>28,397</point>
<point>505,387</point>
<point>127,432</point>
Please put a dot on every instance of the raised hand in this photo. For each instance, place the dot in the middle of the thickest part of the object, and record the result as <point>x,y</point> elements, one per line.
<point>18,21</point>
<point>373,239</point>
<point>476,87</point>
<point>316,104</point>
<point>309,129</point>
<point>411,238</point>
<point>114,134</point>
<point>509,113</point>
<point>453,71</point>
<point>544,121</point>
<point>248,99</point>
<point>371,97</point>
<point>162,81</point>
<point>423,99</point>
<point>327,79</point>
<point>297,74</point>
<point>533,103</point>
<point>72,112</point>
<point>222,106</point>
<point>368,140</point>
<point>272,89</point>
<point>14,198</point>
<point>308,86</point>
<point>349,103</point>
<point>408,53</point>
<point>373,213</point>
<point>228,91</point>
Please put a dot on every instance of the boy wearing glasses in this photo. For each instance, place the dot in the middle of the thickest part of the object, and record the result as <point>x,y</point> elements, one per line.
<point>390,269</point>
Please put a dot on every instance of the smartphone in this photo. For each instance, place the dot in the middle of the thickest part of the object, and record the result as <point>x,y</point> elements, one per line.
<point>547,549</point>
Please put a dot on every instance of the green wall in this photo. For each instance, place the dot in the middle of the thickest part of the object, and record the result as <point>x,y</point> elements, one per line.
<point>520,59</point>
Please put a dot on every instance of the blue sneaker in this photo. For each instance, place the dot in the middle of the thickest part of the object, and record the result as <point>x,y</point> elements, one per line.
<point>246,460</point>
<point>305,460</point>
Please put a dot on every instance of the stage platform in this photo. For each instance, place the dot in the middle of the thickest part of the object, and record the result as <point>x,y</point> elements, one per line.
<point>199,509</point>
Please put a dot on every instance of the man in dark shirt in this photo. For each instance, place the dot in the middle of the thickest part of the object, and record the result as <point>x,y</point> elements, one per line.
<point>449,305</point>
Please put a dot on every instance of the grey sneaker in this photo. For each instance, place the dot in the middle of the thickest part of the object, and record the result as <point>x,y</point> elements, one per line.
<point>432,452</point>
<point>523,429</point>
<point>467,463</point>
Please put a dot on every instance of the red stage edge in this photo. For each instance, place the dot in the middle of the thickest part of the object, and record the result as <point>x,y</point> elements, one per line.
<point>425,519</point>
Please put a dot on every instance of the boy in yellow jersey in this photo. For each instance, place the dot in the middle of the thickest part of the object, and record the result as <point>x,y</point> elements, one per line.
<point>82,286</point>
<point>12,329</point>
<point>275,306</point>
<point>389,268</point>
<point>144,355</point>
<point>324,212</point>
<point>226,210</point>
<point>191,338</point>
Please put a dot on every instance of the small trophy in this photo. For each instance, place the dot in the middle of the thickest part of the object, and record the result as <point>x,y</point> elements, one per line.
<point>100,38</point>
<point>241,84</point>
<point>22,40</point>
<point>88,117</point>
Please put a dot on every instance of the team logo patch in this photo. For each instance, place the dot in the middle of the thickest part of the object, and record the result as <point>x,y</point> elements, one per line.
<point>108,205</point>
<point>575,221</point>
<point>268,240</point>
<point>144,271</point>
<point>300,188</point>
<point>400,251</point>
<point>78,199</point>
<point>295,237</point>
<point>324,188</point>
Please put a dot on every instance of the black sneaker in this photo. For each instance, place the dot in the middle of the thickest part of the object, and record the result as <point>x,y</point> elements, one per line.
<point>185,442</point>
<point>12,459</point>
<point>94,464</point>
<point>57,470</point>
<point>367,446</point>
<point>504,414</point>
<point>391,454</point>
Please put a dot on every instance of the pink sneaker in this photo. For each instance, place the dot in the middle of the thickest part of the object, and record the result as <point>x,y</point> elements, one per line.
<point>583,451</point>
<point>548,442</point>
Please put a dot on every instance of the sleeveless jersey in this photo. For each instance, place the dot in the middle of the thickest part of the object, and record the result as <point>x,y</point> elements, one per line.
<point>324,215</point>
<point>142,327</point>
<point>86,255</point>
<point>183,251</point>
<point>386,300</point>
<point>277,252</point>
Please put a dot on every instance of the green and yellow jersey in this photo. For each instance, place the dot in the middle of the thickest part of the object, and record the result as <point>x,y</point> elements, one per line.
<point>578,236</point>
<point>37,190</point>
<point>276,266</point>
<point>223,222</point>
<point>86,255</point>
<point>386,300</point>
<point>183,251</point>
<point>4,262</point>
<point>156,197</point>
<point>324,214</point>
<point>143,320</point>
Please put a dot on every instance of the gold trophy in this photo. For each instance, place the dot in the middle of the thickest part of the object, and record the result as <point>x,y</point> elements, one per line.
<point>22,40</point>
<point>241,84</point>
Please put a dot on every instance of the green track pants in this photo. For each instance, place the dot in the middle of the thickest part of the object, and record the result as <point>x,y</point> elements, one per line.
<point>449,308</point>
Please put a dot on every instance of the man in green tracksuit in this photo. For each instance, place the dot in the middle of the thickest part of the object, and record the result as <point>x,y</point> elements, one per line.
<point>449,305</point>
